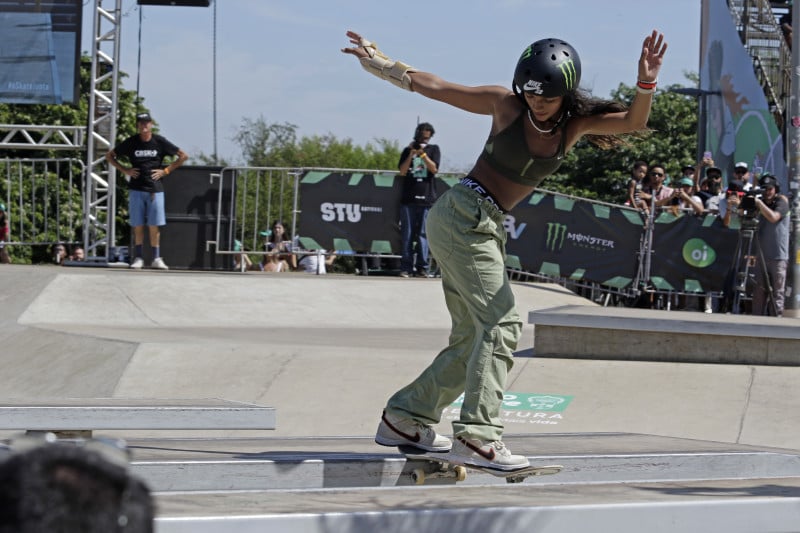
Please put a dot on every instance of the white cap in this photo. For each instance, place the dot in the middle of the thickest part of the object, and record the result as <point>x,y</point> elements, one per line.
<point>741,164</point>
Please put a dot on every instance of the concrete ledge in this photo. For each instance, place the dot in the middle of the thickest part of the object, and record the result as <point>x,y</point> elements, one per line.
<point>86,414</point>
<point>668,336</point>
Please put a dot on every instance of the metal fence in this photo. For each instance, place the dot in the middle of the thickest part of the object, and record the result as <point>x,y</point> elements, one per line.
<point>44,202</point>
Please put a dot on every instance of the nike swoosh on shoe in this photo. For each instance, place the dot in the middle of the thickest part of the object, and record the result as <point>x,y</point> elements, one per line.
<point>489,456</point>
<point>415,438</point>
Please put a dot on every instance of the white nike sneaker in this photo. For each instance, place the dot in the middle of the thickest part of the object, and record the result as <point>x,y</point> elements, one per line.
<point>138,263</point>
<point>159,264</point>
<point>489,454</point>
<point>401,431</point>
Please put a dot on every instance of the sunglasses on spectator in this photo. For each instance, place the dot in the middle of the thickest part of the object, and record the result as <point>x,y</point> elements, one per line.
<point>656,174</point>
<point>739,171</point>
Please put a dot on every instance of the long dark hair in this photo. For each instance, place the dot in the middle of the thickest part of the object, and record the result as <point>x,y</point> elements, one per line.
<point>580,103</point>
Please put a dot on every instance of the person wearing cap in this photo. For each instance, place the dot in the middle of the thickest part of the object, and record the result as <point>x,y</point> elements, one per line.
<point>4,232</point>
<point>534,125</point>
<point>683,198</point>
<point>145,153</point>
<point>716,194</point>
<point>742,173</point>
<point>773,242</point>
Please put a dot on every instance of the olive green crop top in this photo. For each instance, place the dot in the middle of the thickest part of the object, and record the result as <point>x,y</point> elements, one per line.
<point>508,153</point>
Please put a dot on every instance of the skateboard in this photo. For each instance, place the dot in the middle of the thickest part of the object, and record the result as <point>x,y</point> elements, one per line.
<point>439,465</point>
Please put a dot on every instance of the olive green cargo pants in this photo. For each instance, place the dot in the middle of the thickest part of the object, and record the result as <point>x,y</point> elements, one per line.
<point>467,239</point>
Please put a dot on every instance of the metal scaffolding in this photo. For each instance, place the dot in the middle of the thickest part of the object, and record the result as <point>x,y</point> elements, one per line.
<point>100,195</point>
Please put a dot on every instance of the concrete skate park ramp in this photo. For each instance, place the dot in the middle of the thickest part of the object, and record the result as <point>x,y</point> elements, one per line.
<point>645,444</point>
<point>326,351</point>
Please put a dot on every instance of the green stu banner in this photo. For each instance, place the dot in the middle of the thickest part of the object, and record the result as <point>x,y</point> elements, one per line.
<point>550,234</point>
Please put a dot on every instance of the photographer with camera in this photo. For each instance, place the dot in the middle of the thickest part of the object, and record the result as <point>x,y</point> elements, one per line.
<point>772,208</point>
<point>418,166</point>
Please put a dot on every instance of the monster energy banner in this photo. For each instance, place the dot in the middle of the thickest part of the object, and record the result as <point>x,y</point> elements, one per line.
<point>548,234</point>
<point>691,254</point>
<point>569,238</point>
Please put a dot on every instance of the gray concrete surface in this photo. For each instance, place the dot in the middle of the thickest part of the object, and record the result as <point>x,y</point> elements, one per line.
<point>571,331</point>
<point>326,351</point>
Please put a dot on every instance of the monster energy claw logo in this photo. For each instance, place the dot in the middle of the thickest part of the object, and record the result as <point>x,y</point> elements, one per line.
<point>555,236</point>
<point>568,71</point>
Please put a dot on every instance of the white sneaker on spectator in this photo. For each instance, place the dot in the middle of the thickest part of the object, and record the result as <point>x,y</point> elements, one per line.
<point>400,431</point>
<point>489,454</point>
<point>159,264</point>
<point>138,263</point>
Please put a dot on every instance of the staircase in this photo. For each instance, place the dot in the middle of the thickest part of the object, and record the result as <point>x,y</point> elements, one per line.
<point>757,22</point>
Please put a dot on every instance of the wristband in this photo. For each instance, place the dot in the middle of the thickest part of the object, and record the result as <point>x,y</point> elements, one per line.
<point>646,87</point>
<point>166,171</point>
<point>424,155</point>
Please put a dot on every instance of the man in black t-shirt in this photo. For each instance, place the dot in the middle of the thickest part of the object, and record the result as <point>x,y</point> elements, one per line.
<point>418,166</point>
<point>145,152</point>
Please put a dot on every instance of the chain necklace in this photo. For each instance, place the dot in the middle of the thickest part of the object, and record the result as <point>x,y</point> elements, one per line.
<point>540,130</point>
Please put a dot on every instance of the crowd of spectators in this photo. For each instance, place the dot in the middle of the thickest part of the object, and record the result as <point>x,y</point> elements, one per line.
<point>749,198</point>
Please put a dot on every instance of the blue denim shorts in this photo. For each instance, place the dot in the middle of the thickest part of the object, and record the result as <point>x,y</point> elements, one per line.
<point>146,208</point>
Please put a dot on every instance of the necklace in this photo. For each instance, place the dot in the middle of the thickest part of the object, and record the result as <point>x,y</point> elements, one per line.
<point>540,130</point>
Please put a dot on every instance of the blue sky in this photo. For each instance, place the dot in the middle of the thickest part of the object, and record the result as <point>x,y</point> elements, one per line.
<point>282,60</point>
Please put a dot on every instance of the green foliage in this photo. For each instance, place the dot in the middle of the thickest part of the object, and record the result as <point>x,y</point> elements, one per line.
<point>590,172</point>
<point>277,145</point>
<point>51,201</point>
<point>56,191</point>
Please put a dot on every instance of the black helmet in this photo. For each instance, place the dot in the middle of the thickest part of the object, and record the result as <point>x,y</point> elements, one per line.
<point>549,67</point>
<point>768,180</point>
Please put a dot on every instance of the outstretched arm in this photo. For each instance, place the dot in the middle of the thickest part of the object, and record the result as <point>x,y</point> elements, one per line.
<point>481,100</point>
<point>635,118</point>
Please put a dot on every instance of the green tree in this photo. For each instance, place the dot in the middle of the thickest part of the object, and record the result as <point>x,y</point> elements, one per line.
<point>590,172</point>
<point>49,193</point>
<point>277,145</point>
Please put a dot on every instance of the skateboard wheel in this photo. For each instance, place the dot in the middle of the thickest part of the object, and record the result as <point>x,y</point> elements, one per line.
<point>418,475</point>
<point>461,473</point>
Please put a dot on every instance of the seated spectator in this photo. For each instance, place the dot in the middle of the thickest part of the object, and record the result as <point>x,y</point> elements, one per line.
<point>63,487</point>
<point>272,262</point>
<point>316,263</point>
<point>280,241</point>
<point>78,253</point>
<point>59,253</point>
<point>241,262</point>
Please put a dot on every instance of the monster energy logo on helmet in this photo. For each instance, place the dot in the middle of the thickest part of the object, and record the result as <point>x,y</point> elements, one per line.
<point>549,67</point>
<point>568,71</point>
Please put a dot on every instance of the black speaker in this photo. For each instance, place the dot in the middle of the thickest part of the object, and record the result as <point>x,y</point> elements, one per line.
<point>191,197</point>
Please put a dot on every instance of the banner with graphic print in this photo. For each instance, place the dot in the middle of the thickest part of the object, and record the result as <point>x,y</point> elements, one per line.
<point>549,234</point>
<point>736,121</point>
<point>566,237</point>
<point>692,254</point>
<point>350,211</point>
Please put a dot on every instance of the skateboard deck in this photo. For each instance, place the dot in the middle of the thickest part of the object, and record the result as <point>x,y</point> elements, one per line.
<point>441,466</point>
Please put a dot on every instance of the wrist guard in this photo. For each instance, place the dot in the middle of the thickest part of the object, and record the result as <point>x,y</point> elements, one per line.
<point>378,64</point>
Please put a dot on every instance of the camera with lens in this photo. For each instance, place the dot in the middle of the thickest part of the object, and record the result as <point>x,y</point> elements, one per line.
<point>748,203</point>
<point>417,145</point>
